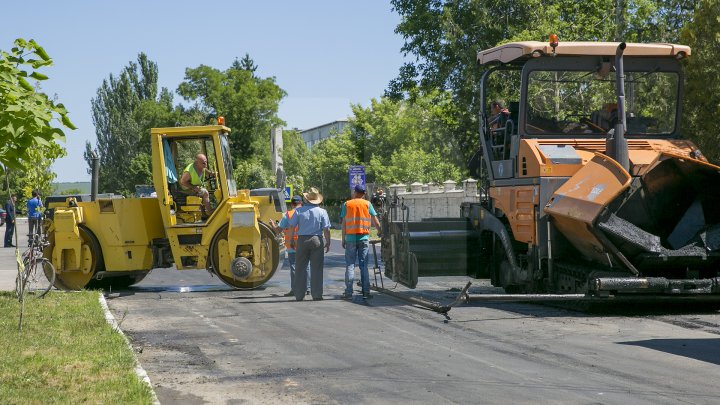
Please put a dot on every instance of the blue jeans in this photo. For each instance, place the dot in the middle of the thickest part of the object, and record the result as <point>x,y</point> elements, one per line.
<point>357,250</point>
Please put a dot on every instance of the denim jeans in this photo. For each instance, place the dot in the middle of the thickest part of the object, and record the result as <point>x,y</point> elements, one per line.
<point>357,250</point>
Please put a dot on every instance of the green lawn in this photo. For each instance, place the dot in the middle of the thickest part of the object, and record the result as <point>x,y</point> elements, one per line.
<point>66,353</point>
<point>337,233</point>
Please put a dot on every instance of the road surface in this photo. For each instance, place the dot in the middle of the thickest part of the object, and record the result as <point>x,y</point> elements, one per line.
<point>201,342</point>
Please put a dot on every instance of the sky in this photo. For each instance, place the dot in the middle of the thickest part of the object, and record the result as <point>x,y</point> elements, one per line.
<point>324,54</point>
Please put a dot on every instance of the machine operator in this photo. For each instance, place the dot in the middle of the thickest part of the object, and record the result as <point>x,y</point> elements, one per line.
<point>193,179</point>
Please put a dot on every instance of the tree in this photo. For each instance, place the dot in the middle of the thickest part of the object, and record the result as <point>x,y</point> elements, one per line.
<point>423,128</point>
<point>444,36</point>
<point>295,159</point>
<point>28,128</point>
<point>246,64</point>
<point>410,163</point>
<point>329,163</point>
<point>28,132</point>
<point>124,110</point>
<point>702,91</point>
<point>248,103</point>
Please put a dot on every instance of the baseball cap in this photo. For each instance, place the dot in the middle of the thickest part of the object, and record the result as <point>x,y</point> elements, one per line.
<point>296,198</point>
<point>359,188</point>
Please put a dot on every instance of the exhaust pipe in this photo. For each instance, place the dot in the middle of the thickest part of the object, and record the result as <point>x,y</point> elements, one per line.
<point>95,175</point>
<point>616,143</point>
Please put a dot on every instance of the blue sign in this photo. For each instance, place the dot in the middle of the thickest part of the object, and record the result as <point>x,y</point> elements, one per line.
<point>288,193</point>
<point>357,176</point>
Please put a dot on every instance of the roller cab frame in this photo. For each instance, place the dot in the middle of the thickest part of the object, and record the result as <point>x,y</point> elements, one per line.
<point>588,186</point>
<point>108,240</point>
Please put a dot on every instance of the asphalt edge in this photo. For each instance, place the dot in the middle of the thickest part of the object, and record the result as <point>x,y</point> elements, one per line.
<point>139,370</point>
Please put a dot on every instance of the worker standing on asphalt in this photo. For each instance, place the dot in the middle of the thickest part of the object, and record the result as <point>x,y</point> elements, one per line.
<point>313,231</point>
<point>356,216</point>
<point>34,207</point>
<point>9,221</point>
<point>296,202</point>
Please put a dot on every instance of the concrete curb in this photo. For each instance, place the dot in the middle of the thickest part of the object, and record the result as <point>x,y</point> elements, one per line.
<point>139,370</point>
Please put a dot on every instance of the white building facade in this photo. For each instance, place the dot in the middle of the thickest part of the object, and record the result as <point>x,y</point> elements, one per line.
<point>314,135</point>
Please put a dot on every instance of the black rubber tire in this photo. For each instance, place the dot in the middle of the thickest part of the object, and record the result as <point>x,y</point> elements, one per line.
<point>265,233</point>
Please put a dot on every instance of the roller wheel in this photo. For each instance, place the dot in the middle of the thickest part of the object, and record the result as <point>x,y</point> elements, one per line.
<point>77,280</point>
<point>260,274</point>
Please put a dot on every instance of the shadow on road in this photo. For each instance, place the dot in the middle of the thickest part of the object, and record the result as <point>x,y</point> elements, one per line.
<point>699,349</point>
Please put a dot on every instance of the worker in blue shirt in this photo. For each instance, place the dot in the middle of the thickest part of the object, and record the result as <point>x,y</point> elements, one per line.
<point>313,230</point>
<point>34,206</point>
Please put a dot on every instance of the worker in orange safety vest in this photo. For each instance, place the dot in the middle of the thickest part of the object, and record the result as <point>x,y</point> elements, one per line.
<point>357,215</point>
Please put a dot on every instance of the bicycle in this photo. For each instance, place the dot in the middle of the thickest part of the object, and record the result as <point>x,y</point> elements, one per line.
<point>37,274</point>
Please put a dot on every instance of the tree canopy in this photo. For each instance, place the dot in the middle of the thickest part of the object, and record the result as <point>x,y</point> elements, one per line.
<point>248,103</point>
<point>444,37</point>
<point>125,108</point>
<point>30,122</point>
<point>702,91</point>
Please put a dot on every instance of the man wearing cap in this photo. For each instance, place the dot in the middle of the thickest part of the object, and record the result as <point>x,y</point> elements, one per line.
<point>356,216</point>
<point>313,233</point>
<point>296,202</point>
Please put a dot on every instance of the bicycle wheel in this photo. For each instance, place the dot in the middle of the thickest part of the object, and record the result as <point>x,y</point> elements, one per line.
<point>39,278</point>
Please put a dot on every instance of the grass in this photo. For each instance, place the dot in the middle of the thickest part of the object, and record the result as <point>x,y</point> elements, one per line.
<point>66,353</point>
<point>337,233</point>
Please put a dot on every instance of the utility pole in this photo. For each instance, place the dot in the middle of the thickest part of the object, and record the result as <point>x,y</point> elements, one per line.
<point>276,147</point>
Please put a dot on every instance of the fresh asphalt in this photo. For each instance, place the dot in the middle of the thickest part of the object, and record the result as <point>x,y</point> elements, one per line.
<point>202,342</point>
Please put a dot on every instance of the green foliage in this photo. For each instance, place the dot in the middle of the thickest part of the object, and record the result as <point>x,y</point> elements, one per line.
<point>329,163</point>
<point>409,164</point>
<point>398,141</point>
<point>124,110</point>
<point>248,103</point>
<point>253,173</point>
<point>294,154</point>
<point>30,122</point>
<point>443,37</point>
<point>71,191</point>
<point>702,91</point>
<point>36,173</point>
<point>29,119</point>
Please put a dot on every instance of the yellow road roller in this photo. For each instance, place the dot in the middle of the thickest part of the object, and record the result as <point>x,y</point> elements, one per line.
<point>111,241</point>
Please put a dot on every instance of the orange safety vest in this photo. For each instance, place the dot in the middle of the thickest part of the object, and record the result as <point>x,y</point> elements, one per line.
<point>286,231</point>
<point>357,217</point>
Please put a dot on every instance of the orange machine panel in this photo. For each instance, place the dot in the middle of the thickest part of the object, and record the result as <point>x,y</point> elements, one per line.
<point>577,203</point>
<point>518,205</point>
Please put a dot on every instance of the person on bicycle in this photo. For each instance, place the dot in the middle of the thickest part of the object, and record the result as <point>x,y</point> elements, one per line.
<point>193,179</point>
<point>34,207</point>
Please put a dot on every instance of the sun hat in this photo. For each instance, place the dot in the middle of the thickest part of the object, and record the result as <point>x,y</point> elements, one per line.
<point>313,196</point>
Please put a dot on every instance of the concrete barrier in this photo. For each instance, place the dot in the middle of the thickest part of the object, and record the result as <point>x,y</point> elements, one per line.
<point>432,200</point>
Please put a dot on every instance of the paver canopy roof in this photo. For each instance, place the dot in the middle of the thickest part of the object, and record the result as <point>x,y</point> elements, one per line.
<point>515,50</point>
